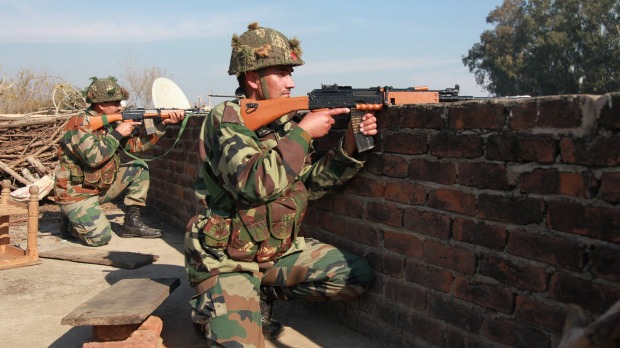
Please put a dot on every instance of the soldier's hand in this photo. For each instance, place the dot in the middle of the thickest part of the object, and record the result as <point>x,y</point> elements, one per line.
<point>368,126</point>
<point>126,128</point>
<point>175,116</point>
<point>318,123</point>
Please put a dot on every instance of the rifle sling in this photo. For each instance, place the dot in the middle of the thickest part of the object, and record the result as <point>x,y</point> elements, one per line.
<point>183,124</point>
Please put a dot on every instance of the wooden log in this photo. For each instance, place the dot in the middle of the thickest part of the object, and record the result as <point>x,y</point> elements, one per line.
<point>12,173</point>
<point>37,165</point>
<point>28,175</point>
<point>32,121</point>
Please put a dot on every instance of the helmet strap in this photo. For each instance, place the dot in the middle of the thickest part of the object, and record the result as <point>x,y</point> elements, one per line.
<point>263,84</point>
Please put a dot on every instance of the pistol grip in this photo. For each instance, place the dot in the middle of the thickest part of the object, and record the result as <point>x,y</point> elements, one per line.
<point>363,142</point>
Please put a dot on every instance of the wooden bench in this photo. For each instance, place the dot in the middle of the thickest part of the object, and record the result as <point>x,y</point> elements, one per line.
<point>116,312</point>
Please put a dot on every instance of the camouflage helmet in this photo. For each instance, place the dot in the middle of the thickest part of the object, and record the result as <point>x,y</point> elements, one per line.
<point>260,48</point>
<point>105,90</point>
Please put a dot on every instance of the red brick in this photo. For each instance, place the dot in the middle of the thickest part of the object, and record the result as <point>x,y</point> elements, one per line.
<point>583,292</point>
<point>546,248</point>
<point>366,186</point>
<point>429,276</point>
<point>543,181</point>
<point>516,210</point>
<point>592,221</point>
<point>426,222</point>
<point>405,143</point>
<point>580,185</point>
<point>388,263</point>
<point>560,113</point>
<point>361,232</point>
<point>405,192</point>
<point>477,116</point>
<point>540,314</point>
<point>456,146</point>
<point>486,295</point>
<point>461,260</point>
<point>610,187</point>
<point>600,151</point>
<point>521,275</point>
<point>453,200</point>
<point>450,311</point>
<point>405,294</point>
<point>145,336</point>
<point>491,176</point>
<point>332,223</point>
<point>422,327</point>
<point>524,116</point>
<point>433,171</point>
<point>422,117</point>
<point>395,166</point>
<point>345,205</point>
<point>402,243</point>
<point>605,261</point>
<point>385,213</point>
<point>459,339</point>
<point>514,334</point>
<point>522,148</point>
<point>491,236</point>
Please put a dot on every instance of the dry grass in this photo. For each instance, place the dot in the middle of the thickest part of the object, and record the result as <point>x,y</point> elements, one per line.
<point>29,92</point>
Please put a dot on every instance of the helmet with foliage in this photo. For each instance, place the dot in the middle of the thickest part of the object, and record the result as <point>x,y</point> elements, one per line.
<point>105,90</point>
<point>260,48</point>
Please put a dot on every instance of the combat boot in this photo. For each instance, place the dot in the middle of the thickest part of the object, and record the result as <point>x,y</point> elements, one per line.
<point>272,329</point>
<point>66,229</point>
<point>134,227</point>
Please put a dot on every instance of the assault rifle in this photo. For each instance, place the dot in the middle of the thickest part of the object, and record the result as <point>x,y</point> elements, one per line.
<point>147,118</point>
<point>259,113</point>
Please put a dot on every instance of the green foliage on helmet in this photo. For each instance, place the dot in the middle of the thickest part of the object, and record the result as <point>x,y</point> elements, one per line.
<point>105,90</point>
<point>260,48</point>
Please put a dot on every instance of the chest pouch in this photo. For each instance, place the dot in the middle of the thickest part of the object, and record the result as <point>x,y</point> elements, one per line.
<point>101,177</point>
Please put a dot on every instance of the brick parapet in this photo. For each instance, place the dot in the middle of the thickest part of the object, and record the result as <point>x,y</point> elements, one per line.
<point>484,220</point>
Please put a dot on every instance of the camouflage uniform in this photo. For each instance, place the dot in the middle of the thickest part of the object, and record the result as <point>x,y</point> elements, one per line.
<point>256,186</point>
<point>90,173</point>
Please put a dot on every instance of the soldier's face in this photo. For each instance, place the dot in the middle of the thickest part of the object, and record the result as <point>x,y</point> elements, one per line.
<point>108,108</point>
<point>279,81</point>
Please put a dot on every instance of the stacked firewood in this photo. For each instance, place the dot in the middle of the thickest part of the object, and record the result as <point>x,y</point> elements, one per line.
<point>28,146</point>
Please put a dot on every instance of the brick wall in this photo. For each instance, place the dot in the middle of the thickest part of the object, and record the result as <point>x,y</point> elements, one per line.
<point>484,220</point>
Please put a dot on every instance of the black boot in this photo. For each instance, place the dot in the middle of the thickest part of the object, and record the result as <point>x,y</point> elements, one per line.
<point>272,329</point>
<point>134,227</point>
<point>65,228</point>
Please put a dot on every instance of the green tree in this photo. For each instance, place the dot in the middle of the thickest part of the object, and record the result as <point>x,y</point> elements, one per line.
<point>544,47</point>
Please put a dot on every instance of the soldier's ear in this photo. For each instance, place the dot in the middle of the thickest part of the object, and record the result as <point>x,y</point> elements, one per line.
<point>253,79</point>
<point>96,107</point>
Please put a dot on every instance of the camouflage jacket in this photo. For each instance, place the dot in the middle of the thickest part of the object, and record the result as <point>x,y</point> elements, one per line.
<point>88,160</point>
<point>262,182</point>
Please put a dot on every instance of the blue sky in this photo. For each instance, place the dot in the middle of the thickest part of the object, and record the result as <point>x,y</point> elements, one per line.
<point>358,43</point>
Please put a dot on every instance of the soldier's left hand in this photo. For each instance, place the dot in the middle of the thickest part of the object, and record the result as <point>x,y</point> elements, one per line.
<point>175,116</point>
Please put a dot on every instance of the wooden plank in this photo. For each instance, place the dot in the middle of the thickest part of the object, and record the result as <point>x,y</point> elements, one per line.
<point>121,259</point>
<point>129,301</point>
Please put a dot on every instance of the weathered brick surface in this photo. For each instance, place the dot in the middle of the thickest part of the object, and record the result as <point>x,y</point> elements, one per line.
<point>483,220</point>
<point>147,335</point>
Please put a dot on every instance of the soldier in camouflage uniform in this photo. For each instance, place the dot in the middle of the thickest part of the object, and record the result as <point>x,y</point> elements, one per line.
<point>90,172</point>
<point>244,251</point>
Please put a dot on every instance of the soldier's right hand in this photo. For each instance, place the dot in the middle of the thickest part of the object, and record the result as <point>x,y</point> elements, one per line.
<point>318,123</point>
<point>126,128</point>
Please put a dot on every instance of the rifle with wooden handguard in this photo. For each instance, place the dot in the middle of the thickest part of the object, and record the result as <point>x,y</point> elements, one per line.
<point>147,117</point>
<point>259,113</point>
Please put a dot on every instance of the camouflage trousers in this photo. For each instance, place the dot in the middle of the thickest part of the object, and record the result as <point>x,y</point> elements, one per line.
<point>87,220</point>
<point>229,309</point>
